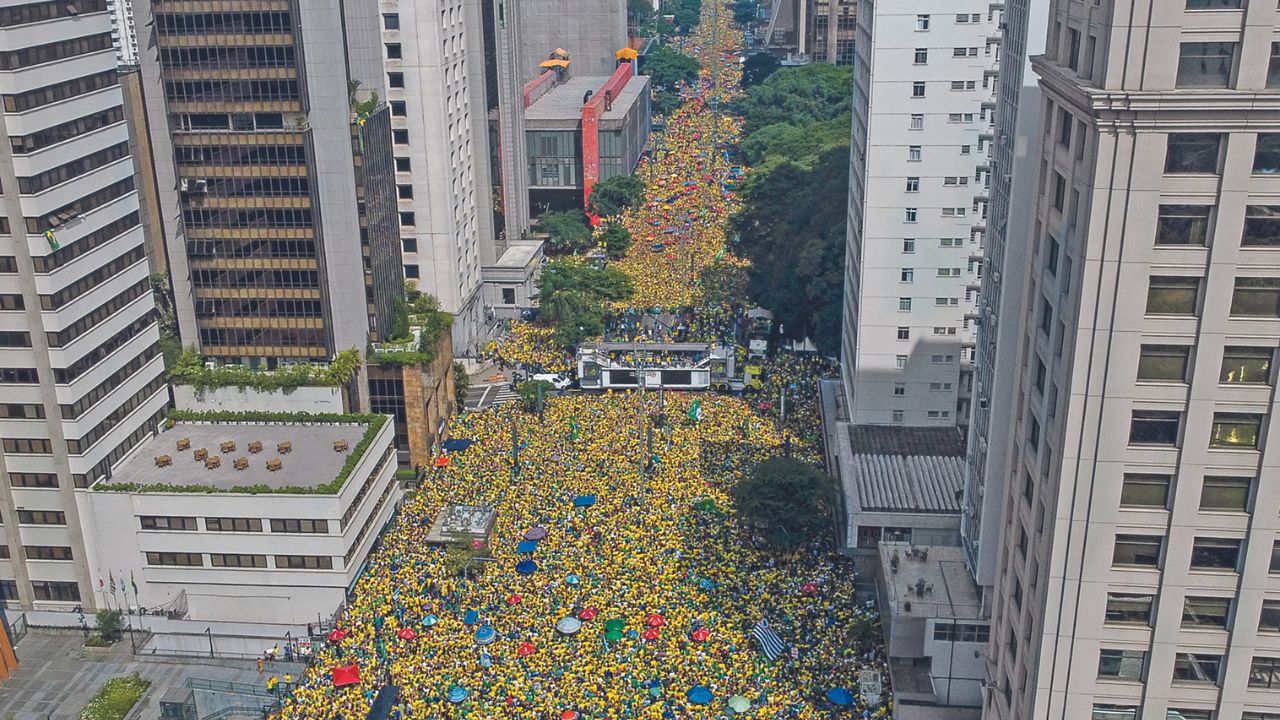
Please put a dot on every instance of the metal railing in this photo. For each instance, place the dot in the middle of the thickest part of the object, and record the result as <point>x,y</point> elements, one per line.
<point>226,686</point>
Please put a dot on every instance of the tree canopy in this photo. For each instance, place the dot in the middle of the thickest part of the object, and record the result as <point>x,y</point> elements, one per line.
<point>799,95</point>
<point>744,11</point>
<point>792,228</point>
<point>668,68</point>
<point>758,67</point>
<point>568,232</point>
<point>610,197</point>
<point>617,240</point>
<point>572,297</point>
<point>789,500</point>
<point>802,144</point>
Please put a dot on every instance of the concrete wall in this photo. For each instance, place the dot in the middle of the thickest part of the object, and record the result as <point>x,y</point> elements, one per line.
<point>302,399</point>
<point>591,30</point>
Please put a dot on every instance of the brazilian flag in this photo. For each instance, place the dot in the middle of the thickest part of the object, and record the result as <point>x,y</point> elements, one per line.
<point>695,410</point>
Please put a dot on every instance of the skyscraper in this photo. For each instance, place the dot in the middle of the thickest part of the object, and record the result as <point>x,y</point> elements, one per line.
<point>923,102</point>
<point>124,34</point>
<point>79,362</point>
<point>1138,576</point>
<point>273,160</point>
<point>830,29</point>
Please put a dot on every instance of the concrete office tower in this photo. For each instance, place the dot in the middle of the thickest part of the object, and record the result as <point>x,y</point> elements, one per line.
<point>830,29</point>
<point>434,84</point>
<point>1012,184</point>
<point>124,34</point>
<point>1139,570</point>
<point>80,367</point>
<point>275,174</point>
<point>923,107</point>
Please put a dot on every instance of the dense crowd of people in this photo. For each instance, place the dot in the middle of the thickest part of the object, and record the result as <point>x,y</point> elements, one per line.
<point>640,597</point>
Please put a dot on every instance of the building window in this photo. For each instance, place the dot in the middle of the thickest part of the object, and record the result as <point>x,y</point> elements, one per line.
<point>1189,714</point>
<point>1073,49</point>
<point>909,245</point>
<point>1259,716</point>
<point>922,23</point>
<point>410,245</point>
<point>1266,156</point>
<point>1196,668</point>
<point>304,562</point>
<point>391,21</point>
<point>1205,64</point>
<point>1235,430</point>
<point>1164,363</point>
<point>1145,490</point>
<point>1183,225</point>
<point>42,517</point>
<point>232,524</point>
<point>399,108</point>
<point>508,296</point>
<point>961,632</point>
<point>1122,664</point>
<point>906,275</point>
<point>1129,609</point>
<point>1246,365</point>
<point>47,552</point>
<point>1066,124</point>
<point>395,79</point>
<point>400,137</point>
<point>1154,427</point>
<point>913,153</point>
<point>1215,554</point>
<point>1269,621</point>
<point>917,122</point>
<point>1206,612</point>
<point>900,389</point>
<point>403,164</point>
<point>1213,4</point>
<point>1261,226</point>
<point>408,219</point>
<point>1265,673</point>
<point>1273,67</point>
<point>1103,711</point>
<point>316,527</point>
<point>1226,494</point>
<point>55,591</point>
<point>910,214</point>
<point>1256,297</point>
<point>1192,153</point>
<point>167,522</point>
<point>900,362</point>
<point>404,192</point>
<point>904,333</point>
<point>917,89</point>
<point>394,51</point>
<point>904,304</point>
<point>235,560</point>
<point>1173,295</point>
<point>175,558</point>
<point>913,184</point>
<point>1137,550</point>
<point>897,416</point>
<point>922,56</point>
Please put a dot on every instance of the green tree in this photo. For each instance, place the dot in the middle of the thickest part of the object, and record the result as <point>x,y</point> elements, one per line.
<point>668,68</point>
<point>792,228</point>
<point>758,67</point>
<point>639,12</point>
<point>458,556</point>
<point>461,384</point>
<point>799,95</point>
<point>573,298</point>
<point>801,144</point>
<point>533,393</point>
<point>789,500</point>
<point>617,240</point>
<point>108,623</point>
<point>568,232</point>
<point>610,197</point>
<point>744,12</point>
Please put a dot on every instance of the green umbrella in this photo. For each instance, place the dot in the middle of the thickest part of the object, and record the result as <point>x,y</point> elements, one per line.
<point>739,704</point>
<point>613,635</point>
<point>615,624</point>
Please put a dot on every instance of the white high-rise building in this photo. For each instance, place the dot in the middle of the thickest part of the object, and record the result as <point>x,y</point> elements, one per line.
<point>80,369</point>
<point>1138,572</point>
<point>923,102</point>
<point>123,32</point>
<point>434,57</point>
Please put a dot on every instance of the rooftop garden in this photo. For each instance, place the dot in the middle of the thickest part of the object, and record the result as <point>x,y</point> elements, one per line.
<point>374,424</point>
<point>190,370</point>
<point>416,330</point>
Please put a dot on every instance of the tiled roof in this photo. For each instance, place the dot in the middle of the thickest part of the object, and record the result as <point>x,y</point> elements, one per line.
<point>907,469</point>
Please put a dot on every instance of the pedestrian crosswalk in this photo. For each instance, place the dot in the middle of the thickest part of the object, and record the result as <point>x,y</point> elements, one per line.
<point>480,397</point>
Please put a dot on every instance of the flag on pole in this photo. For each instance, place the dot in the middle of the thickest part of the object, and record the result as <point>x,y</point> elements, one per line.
<point>768,641</point>
<point>111,576</point>
<point>101,585</point>
<point>695,410</point>
<point>574,430</point>
<point>134,584</point>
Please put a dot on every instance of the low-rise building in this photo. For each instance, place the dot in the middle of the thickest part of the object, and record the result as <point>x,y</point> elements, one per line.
<point>263,517</point>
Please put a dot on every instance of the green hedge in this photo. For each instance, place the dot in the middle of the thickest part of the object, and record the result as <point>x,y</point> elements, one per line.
<point>333,487</point>
<point>116,698</point>
<point>190,370</point>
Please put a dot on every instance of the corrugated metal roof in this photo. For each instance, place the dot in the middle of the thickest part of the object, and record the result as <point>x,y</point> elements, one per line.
<point>908,483</point>
<point>897,440</point>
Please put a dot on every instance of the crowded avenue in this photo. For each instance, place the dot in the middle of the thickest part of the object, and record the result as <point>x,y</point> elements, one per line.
<point>618,580</point>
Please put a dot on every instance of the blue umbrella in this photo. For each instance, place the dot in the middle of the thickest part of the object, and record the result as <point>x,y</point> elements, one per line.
<point>471,617</point>
<point>457,444</point>
<point>699,695</point>
<point>525,547</point>
<point>457,694</point>
<point>485,635</point>
<point>430,620</point>
<point>485,660</point>
<point>840,696</point>
<point>526,567</point>
<point>572,579</point>
<point>584,501</point>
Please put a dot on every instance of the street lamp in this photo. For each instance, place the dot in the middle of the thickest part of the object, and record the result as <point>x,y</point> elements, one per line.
<point>209,633</point>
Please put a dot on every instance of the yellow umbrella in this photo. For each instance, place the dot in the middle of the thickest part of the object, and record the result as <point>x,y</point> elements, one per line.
<point>554,63</point>
<point>626,54</point>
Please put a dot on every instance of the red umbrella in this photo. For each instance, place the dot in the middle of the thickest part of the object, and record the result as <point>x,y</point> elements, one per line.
<point>569,715</point>
<point>514,599</point>
<point>336,635</point>
<point>701,634</point>
<point>587,614</point>
<point>442,461</point>
<point>655,620</point>
<point>407,634</point>
<point>525,649</point>
<point>809,588</point>
<point>345,675</point>
<point>651,634</point>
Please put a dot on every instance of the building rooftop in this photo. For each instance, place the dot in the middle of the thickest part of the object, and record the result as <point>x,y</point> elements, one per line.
<point>904,469</point>
<point>311,460</point>
<point>564,102</point>
<point>933,579</point>
<point>518,256</point>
